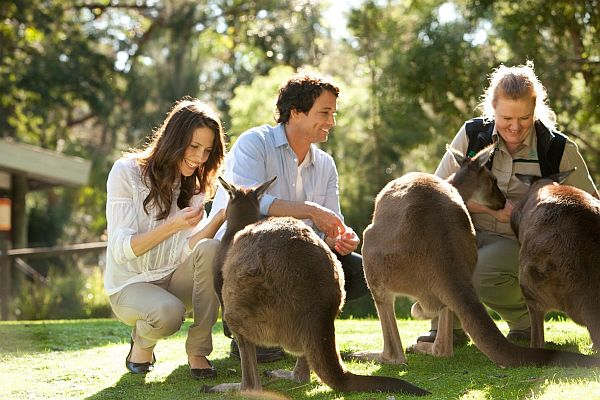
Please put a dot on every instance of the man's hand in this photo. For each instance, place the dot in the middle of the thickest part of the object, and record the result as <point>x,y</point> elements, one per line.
<point>347,242</point>
<point>326,220</point>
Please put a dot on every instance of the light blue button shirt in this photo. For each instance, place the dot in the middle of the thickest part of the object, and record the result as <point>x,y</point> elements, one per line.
<point>263,152</point>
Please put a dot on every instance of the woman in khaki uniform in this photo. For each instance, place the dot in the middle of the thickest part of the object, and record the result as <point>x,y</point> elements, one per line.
<point>516,114</point>
<point>160,254</point>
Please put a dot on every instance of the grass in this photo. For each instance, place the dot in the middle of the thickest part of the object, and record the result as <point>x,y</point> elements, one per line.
<point>85,359</point>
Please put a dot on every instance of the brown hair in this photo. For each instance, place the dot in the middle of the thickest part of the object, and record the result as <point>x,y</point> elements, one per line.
<point>300,93</point>
<point>160,159</point>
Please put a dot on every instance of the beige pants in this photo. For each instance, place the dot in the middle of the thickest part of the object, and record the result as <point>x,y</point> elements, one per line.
<point>157,309</point>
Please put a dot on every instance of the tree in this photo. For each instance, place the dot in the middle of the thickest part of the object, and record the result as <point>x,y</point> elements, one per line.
<point>428,63</point>
<point>561,37</point>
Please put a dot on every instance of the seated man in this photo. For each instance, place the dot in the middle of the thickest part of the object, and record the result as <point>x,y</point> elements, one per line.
<point>307,181</point>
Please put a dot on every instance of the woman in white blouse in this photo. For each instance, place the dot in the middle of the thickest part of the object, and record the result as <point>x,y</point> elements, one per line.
<point>159,255</point>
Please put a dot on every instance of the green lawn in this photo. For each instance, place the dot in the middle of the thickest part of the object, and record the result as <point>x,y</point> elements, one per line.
<point>85,359</point>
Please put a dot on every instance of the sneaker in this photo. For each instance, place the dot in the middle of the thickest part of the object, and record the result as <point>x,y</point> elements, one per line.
<point>460,338</point>
<point>263,354</point>
<point>519,335</point>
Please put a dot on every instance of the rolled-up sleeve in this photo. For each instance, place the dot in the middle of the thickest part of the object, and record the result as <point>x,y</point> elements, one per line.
<point>332,195</point>
<point>448,164</point>
<point>120,214</point>
<point>580,178</point>
<point>249,166</point>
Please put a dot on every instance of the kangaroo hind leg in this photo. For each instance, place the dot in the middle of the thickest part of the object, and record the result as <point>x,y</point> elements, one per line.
<point>393,353</point>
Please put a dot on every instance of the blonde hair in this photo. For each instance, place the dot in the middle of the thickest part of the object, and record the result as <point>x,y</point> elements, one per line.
<point>517,83</point>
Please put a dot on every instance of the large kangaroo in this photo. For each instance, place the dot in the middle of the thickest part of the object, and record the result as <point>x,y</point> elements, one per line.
<point>282,285</point>
<point>559,230</point>
<point>422,243</point>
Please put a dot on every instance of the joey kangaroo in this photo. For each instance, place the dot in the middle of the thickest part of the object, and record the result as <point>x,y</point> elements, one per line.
<point>422,243</point>
<point>281,285</point>
<point>559,261</point>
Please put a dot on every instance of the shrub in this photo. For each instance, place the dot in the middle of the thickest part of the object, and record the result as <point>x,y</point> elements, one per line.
<point>74,293</point>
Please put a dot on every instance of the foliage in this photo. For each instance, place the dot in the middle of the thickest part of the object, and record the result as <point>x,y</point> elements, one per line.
<point>254,104</point>
<point>69,294</point>
<point>428,62</point>
<point>44,360</point>
<point>561,37</point>
<point>91,79</point>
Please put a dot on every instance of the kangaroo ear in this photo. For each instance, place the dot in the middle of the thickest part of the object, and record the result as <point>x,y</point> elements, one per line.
<point>263,187</point>
<point>527,179</point>
<point>458,157</point>
<point>560,177</point>
<point>484,155</point>
<point>226,186</point>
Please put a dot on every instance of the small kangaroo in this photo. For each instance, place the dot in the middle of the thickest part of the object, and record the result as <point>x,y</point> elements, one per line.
<point>559,230</point>
<point>422,243</point>
<point>283,286</point>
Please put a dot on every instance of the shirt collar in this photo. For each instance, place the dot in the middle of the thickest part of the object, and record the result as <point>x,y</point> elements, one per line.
<point>530,141</point>
<point>281,140</point>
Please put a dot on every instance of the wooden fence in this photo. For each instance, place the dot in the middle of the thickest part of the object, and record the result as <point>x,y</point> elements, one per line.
<point>10,258</point>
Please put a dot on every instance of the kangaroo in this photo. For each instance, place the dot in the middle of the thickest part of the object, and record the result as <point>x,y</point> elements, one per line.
<point>559,230</point>
<point>421,243</point>
<point>283,286</point>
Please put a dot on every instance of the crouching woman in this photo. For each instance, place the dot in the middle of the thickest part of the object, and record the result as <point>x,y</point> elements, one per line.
<point>160,251</point>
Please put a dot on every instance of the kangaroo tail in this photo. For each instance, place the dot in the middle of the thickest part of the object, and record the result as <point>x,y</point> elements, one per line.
<point>461,299</point>
<point>324,359</point>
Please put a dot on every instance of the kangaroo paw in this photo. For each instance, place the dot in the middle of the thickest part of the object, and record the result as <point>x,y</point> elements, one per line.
<point>428,348</point>
<point>223,387</point>
<point>378,357</point>
<point>285,374</point>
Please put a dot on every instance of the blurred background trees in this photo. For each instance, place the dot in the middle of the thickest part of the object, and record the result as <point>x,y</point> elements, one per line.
<point>93,77</point>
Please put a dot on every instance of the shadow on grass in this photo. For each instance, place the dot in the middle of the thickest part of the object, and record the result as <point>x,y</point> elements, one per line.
<point>69,335</point>
<point>180,385</point>
<point>470,370</point>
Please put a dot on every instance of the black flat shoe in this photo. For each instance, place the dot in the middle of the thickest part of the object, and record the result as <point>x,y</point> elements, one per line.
<point>459,336</point>
<point>203,373</point>
<point>263,354</point>
<point>138,368</point>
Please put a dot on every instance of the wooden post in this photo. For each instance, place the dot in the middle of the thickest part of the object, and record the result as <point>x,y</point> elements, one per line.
<point>5,260</point>
<point>19,212</point>
<point>5,276</point>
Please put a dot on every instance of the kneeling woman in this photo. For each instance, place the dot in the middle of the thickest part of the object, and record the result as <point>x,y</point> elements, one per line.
<point>159,255</point>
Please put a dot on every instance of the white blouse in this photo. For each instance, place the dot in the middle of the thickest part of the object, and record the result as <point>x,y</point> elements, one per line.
<point>125,217</point>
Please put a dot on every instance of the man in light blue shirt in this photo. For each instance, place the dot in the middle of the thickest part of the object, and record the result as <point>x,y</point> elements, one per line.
<point>307,181</point>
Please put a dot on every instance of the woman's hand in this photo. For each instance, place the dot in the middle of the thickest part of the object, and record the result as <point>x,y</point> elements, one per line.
<point>186,218</point>
<point>220,217</point>
<point>502,215</point>
<point>210,229</point>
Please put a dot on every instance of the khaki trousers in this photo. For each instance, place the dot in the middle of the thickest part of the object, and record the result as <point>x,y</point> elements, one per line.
<point>496,279</point>
<point>157,309</point>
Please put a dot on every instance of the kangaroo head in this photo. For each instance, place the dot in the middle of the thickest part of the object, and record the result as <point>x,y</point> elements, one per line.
<point>475,181</point>
<point>537,181</point>
<point>244,202</point>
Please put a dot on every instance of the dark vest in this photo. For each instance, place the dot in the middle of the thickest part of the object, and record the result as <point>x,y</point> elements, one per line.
<point>550,144</point>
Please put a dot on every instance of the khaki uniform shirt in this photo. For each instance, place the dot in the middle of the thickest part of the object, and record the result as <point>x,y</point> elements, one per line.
<point>505,166</point>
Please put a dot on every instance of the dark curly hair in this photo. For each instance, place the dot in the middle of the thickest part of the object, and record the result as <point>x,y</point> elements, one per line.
<point>300,93</point>
<point>160,159</point>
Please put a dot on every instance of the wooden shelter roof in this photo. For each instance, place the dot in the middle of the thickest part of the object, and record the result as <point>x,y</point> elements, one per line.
<point>42,167</point>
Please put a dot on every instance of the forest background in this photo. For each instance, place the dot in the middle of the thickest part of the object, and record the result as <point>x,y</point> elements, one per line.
<point>92,78</point>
